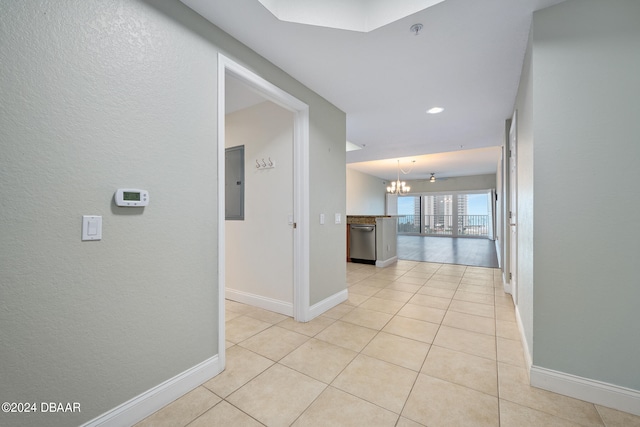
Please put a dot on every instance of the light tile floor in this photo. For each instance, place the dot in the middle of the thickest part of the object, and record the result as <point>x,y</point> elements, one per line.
<point>416,344</point>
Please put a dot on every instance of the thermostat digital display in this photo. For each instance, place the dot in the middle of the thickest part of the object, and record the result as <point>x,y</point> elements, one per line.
<point>131,197</point>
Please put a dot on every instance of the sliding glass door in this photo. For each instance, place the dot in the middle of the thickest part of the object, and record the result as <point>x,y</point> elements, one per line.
<point>409,214</point>
<point>456,214</point>
<point>474,214</point>
<point>438,214</point>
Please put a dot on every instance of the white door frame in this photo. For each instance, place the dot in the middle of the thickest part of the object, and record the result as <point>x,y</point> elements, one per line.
<point>300,188</point>
<point>513,208</point>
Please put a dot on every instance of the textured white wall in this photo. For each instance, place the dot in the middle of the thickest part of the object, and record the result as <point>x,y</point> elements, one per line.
<point>259,250</point>
<point>587,240</point>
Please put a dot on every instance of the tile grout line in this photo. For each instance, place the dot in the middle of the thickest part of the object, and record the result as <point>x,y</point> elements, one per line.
<point>495,322</point>
<point>378,330</point>
<point>360,352</point>
<point>399,414</point>
<point>429,350</point>
<point>278,363</point>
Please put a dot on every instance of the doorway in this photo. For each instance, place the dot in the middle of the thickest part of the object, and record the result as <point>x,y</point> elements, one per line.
<point>298,218</point>
<point>258,202</point>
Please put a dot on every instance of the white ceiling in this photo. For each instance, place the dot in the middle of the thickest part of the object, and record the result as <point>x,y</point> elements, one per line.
<point>467,59</point>
<point>355,15</point>
<point>478,161</point>
<point>239,96</point>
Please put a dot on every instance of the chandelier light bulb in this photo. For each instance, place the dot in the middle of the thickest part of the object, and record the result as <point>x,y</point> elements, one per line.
<point>399,187</point>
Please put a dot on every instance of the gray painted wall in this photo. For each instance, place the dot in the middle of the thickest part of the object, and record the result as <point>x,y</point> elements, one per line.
<point>460,183</point>
<point>581,100</point>
<point>365,194</point>
<point>525,184</point>
<point>96,96</point>
<point>328,133</point>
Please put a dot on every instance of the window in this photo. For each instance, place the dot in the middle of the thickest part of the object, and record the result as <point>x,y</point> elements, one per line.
<point>473,214</point>
<point>409,214</point>
<point>455,214</point>
<point>438,214</point>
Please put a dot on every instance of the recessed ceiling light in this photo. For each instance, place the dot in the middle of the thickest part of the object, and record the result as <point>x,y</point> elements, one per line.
<point>435,110</point>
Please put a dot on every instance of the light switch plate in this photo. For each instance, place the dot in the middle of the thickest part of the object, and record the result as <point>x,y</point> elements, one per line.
<point>338,218</point>
<point>91,227</point>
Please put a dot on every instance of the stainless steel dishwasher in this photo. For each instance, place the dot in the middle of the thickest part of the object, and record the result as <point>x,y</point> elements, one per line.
<point>363,243</point>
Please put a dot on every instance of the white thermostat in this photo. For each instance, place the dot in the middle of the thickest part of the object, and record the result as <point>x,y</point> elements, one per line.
<point>131,197</point>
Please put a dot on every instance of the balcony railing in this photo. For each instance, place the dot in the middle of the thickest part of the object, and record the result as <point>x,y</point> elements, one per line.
<point>473,225</point>
<point>409,224</point>
<point>443,225</point>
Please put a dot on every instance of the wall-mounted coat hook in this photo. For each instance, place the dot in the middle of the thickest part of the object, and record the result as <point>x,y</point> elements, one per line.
<point>264,164</point>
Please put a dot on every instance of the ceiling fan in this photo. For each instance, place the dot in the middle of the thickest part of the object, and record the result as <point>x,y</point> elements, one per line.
<point>433,178</point>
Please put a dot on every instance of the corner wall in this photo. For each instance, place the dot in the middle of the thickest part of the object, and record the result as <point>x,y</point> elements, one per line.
<point>102,95</point>
<point>525,212</point>
<point>576,273</point>
<point>585,92</point>
<point>94,98</point>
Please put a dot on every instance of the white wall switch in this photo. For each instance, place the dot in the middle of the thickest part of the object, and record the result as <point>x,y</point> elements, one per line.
<point>321,219</point>
<point>338,218</point>
<point>91,227</point>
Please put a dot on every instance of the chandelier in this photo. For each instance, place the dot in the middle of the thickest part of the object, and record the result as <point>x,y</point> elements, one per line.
<point>400,187</point>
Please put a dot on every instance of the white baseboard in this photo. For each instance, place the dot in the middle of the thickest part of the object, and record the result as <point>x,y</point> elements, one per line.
<point>524,342</point>
<point>270,304</point>
<point>386,262</point>
<point>150,401</point>
<point>609,395</point>
<point>328,303</point>
<point>508,289</point>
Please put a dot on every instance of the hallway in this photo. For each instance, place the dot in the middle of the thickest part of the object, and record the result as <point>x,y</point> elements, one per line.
<point>416,344</point>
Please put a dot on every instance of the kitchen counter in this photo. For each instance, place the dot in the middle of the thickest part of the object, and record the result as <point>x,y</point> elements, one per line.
<point>364,219</point>
<point>386,236</point>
